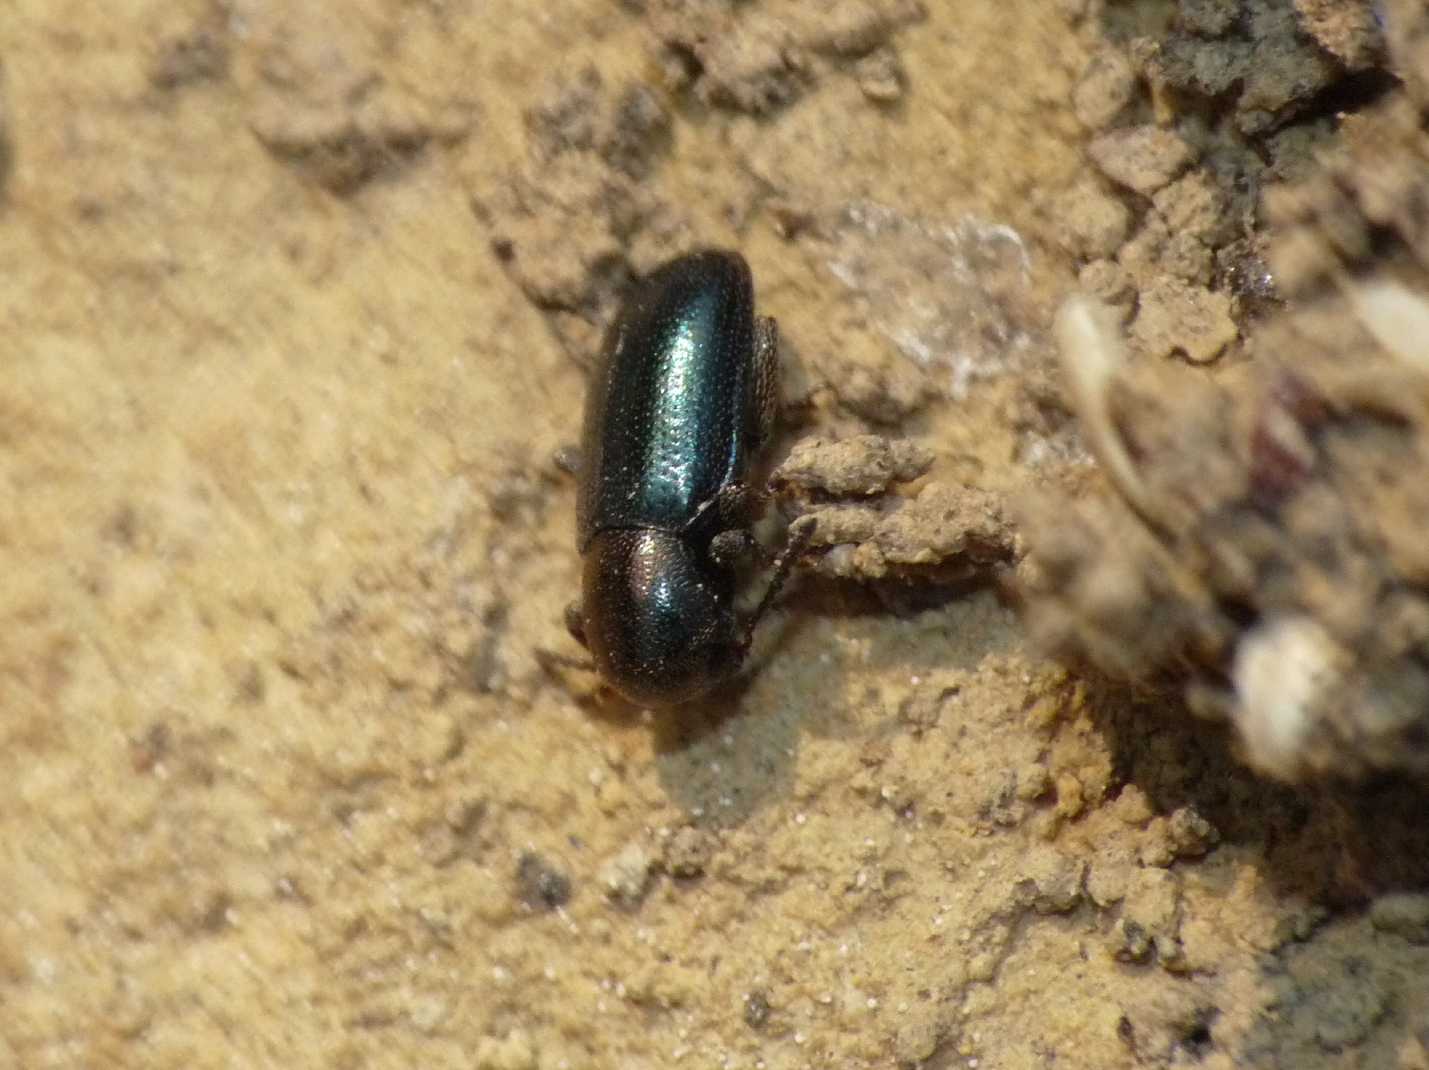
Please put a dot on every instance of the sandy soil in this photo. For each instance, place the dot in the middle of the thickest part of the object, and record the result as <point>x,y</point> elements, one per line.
<point>299,302</point>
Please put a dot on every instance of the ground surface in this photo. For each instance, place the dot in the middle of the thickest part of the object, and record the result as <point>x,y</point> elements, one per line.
<point>297,302</point>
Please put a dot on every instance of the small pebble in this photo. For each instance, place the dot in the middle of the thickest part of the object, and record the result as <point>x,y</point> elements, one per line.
<point>1093,223</point>
<point>1106,87</point>
<point>625,876</point>
<point>1177,317</point>
<point>880,76</point>
<point>688,852</point>
<point>756,1009</point>
<point>1142,158</point>
<point>539,884</point>
<point>1405,914</point>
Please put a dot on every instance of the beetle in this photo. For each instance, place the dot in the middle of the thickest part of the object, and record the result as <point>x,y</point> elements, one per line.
<point>682,402</point>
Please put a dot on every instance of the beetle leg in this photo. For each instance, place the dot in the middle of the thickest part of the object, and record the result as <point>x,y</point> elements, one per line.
<point>729,548</point>
<point>766,379</point>
<point>736,505</point>
<point>553,660</point>
<point>800,532</point>
<point>739,505</point>
<point>575,622</point>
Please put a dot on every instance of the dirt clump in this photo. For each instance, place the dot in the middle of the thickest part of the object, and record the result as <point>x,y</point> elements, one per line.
<point>1268,549</point>
<point>585,213</point>
<point>752,59</point>
<point>314,97</point>
<point>940,534</point>
<point>862,465</point>
<point>1187,122</point>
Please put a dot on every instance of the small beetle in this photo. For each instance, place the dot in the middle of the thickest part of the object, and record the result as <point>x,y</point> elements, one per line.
<point>684,398</point>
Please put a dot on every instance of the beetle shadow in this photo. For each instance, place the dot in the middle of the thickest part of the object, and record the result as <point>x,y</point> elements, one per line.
<point>1331,844</point>
<point>719,760</point>
<point>724,758</point>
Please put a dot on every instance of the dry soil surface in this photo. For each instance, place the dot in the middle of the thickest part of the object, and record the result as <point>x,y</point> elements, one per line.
<point>298,304</point>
